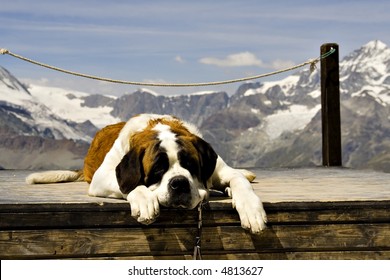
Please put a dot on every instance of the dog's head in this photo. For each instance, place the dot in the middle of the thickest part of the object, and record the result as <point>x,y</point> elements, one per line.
<point>171,161</point>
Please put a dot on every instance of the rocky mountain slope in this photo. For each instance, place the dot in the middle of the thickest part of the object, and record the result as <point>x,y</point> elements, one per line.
<point>365,114</point>
<point>265,124</point>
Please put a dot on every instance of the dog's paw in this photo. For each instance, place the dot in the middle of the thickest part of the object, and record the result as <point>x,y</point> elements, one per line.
<point>144,205</point>
<point>228,192</point>
<point>248,174</point>
<point>251,212</point>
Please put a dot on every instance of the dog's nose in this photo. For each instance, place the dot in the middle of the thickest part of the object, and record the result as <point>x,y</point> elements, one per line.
<point>179,184</point>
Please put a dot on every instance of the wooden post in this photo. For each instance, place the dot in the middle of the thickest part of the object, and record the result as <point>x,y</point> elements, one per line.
<point>330,102</point>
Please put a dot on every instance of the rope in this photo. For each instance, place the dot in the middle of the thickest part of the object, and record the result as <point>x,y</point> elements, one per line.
<point>311,62</point>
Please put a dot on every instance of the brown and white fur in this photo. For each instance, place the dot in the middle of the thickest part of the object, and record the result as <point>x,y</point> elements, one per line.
<point>154,160</point>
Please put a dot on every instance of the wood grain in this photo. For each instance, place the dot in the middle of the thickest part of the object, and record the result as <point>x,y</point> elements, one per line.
<point>78,243</point>
<point>317,213</point>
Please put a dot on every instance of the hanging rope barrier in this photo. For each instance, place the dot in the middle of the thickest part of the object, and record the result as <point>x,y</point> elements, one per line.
<point>311,62</point>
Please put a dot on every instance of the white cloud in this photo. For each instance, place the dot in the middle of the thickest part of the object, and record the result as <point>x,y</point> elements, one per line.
<point>281,64</point>
<point>246,59</point>
<point>234,60</point>
<point>179,59</point>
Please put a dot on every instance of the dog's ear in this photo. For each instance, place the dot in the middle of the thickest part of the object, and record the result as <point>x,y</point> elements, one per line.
<point>129,172</point>
<point>208,159</point>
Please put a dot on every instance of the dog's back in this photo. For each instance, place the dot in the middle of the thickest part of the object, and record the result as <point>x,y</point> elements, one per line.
<point>101,144</point>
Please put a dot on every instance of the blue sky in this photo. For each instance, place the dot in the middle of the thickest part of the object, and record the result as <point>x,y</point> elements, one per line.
<point>178,41</point>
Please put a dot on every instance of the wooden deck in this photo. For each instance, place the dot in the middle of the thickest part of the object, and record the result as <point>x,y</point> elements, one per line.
<point>318,213</point>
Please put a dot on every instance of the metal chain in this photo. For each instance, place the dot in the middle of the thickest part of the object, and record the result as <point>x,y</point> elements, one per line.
<point>197,252</point>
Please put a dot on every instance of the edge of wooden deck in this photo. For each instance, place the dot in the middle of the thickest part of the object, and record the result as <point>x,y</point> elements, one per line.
<point>44,222</point>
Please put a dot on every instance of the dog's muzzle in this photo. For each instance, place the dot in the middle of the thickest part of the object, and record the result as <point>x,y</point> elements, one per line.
<point>180,192</point>
<point>179,185</point>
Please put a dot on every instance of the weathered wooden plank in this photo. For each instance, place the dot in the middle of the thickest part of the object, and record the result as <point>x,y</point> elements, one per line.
<point>324,255</point>
<point>321,184</point>
<point>337,213</point>
<point>179,241</point>
<point>279,213</point>
<point>102,219</point>
<point>273,186</point>
<point>322,213</point>
<point>95,242</point>
<point>339,255</point>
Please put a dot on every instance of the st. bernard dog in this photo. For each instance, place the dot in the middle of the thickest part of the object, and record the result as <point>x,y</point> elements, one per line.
<point>154,160</point>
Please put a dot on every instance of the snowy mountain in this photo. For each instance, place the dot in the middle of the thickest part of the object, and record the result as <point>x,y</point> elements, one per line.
<point>266,124</point>
<point>194,108</point>
<point>365,111</point>
<point>37,124</point>
<point>19,102</point>
<point>76,106</point>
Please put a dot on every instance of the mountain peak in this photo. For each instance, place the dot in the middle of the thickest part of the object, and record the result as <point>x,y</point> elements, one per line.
<point>374,50</point>
<point>373,59</point>
<point>375,45</point>
<point>9,83</point>
<point>146,90</point>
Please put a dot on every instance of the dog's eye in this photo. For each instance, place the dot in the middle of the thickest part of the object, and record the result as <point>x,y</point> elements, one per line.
<point>160,166</point>
<point>189,163</point>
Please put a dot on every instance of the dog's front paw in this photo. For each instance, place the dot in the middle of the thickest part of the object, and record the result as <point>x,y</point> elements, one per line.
<point>248,174</point>
<point>144,205</point>
<point>251,212</point>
